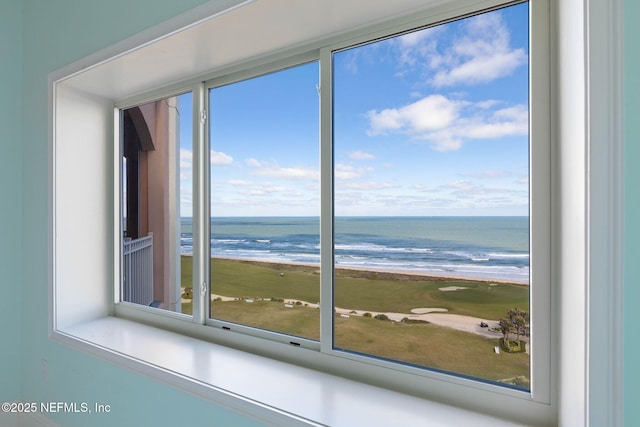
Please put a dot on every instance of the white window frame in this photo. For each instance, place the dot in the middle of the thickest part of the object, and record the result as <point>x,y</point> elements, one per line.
<point>260,68</point>
<point>540,215</point>
<point>569,399</point>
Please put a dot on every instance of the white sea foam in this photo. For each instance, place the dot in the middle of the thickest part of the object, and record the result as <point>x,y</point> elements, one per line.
<point>456,246</point>
<point>507,255</point>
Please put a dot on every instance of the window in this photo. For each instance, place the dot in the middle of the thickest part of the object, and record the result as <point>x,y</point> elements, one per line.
<point>265,253</point>
<point>156,203</point>
<point>431,196</point>
<point>404,238</point>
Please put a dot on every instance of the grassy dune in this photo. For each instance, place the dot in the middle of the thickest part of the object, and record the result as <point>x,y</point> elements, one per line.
<point>422,344</point>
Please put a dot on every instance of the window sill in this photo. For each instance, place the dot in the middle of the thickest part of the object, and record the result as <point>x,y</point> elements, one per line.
<point>262,388</point>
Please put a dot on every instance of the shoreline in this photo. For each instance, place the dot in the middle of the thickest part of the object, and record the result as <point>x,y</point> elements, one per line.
<point>426,275</point>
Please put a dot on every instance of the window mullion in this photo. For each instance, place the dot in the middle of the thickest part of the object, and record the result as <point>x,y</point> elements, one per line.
<point>200,206</point>
<point>540,188</point>
<point>326,202</point>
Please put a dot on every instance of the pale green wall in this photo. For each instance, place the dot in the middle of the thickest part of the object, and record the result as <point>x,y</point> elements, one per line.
<point>57,33</point>
<point>11,196</point>
<point>632,212</point>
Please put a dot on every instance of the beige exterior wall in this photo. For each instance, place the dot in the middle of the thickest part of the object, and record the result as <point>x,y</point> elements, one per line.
<point>162,166</point>
<point>158,202</point>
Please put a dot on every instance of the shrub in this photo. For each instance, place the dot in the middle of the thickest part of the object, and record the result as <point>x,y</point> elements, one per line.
<point>366,314</point>
<point>381,317</point>
<point>513,346</point>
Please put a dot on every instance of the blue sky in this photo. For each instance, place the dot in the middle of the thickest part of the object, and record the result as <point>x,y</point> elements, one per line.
<point>434,122</point>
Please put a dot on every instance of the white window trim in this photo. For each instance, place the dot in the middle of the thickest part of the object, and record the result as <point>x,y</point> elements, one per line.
<point>575,84</point>
<point>540,218</point>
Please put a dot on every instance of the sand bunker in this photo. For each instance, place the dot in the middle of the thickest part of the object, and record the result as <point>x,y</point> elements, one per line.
<point>452,288</point>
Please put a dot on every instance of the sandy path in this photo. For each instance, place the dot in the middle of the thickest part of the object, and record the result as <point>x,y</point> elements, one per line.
<point>437,316</point>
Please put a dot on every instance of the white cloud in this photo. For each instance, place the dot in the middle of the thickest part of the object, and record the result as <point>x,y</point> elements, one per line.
<point>418,45</point>
<point>289,173</point>
<point>445,123</point>
<point>342,171</point>
<point>186,165</point>
<point>361,155</point>
<point>220,158</point>
<point>431,113</point>
<point>489,103</point>
<point>493,174</point>
<point>366,186</point>
<point>267,189</point>
<point>238,182</point>
<point>482,54</point>
<point>273,170</point>
<point>462,185</point>
<point>186,200</point>
<point>505,122</point>
<point>253,163</point>
<point>481,69</point>
<point>479,52</point>
<point>469,191</point>
<point>186,159</point>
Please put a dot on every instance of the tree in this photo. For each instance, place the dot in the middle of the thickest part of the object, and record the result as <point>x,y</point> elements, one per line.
<point>520,320</point>
<point>505,328</point>
<point>520,323</point>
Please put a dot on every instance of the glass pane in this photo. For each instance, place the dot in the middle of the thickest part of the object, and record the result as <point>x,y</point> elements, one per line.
<point>156,193</point>
<point>265,202</point>
<point>431,163</point>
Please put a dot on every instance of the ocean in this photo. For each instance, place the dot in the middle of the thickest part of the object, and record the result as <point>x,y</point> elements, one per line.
<point>480,247</point>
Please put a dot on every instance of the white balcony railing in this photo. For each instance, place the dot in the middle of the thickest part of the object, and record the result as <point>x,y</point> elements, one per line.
<point>137,282</point>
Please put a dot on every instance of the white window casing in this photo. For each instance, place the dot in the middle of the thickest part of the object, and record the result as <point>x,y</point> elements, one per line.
<point>86,96</point>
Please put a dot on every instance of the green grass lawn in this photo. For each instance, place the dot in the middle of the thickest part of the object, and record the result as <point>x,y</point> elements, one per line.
<point>264,280</point>
<point>299,321</point>
<point>362,290</point>
<point>421,344</point>
<point>430,345</point>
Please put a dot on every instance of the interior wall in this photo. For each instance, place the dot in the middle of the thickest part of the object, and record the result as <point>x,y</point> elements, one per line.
<point>11,196</point>
<point>632,212</point>
<point>55,35</point>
